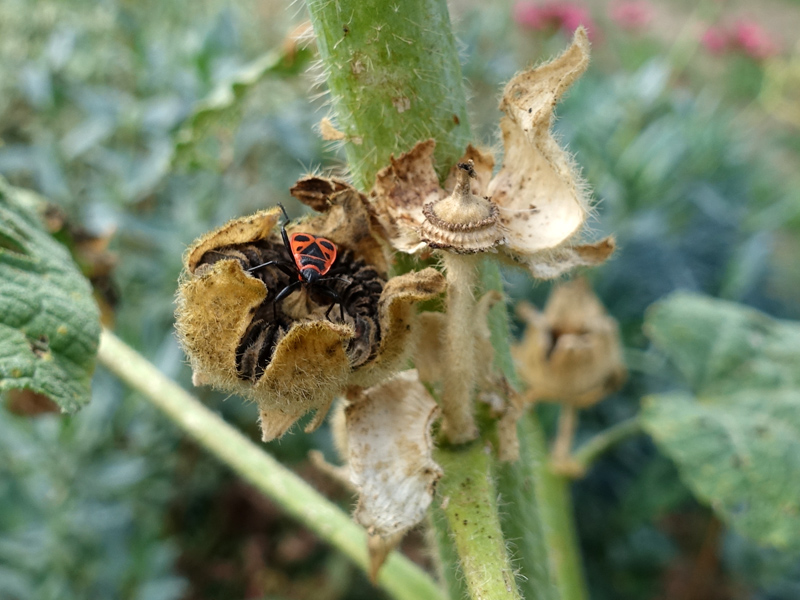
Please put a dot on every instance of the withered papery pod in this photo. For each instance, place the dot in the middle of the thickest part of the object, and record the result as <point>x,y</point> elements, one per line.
<point>532,211</point>
<point>571,354</point>
<point>386,443</point>
<point>288,356</point>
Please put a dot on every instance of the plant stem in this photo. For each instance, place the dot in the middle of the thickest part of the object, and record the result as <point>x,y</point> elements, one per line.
<point>458,367</point>
<point>567,423</point>
<point>604,440</point>
<point>539,514</point>
<point>394,78</point>
<point>555,503</point>
<point>399,577</point>
<point>469,502</point>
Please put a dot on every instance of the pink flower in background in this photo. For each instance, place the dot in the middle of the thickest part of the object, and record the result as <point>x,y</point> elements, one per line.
<point>744,36</point>
<point>715,39</point>
<point>632,15</point>
<point>753,40</point>
<point>554,16</point>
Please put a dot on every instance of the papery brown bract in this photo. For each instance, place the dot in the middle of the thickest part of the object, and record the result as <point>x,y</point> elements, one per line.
<point>572,352</point>
<point>389,456</point>
<point>314,359</point>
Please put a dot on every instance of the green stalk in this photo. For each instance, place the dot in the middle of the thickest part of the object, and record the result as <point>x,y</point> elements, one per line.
<point>538,517</point>
<point>555,503</point>
<point>394,79</point>
<point>605,440</point>
<point>469,502</point>
<point>401,578</point>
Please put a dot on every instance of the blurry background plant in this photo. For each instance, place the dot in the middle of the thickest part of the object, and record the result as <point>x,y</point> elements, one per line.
<point>136,118</point>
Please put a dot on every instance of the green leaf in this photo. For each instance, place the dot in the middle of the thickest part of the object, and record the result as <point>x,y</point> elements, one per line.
<point>49,323</point>
<point>722,347</point>
<point>736,441</point>
<point>740,454</point>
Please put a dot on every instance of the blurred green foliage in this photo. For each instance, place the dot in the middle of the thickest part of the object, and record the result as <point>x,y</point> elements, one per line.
<point>95,98</point>
<point>736,436</point>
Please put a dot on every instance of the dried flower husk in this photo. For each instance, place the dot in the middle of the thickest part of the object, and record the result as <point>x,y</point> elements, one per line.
<point>541,200</point>
<point>571,353</point>
<point>289,358</point>
<point>389,456</point>
<point>463,222</point>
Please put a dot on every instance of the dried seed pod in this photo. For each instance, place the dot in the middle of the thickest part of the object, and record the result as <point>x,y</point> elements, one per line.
<point>571,353</point>
<point>288,356</point>
<point>463,222</point>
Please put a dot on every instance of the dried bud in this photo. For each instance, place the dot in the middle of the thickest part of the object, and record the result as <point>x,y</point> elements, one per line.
<point>289,356</point>
<point>572,353</point>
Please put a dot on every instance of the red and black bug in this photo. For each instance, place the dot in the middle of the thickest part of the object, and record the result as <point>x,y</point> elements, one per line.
<point>313,260</point>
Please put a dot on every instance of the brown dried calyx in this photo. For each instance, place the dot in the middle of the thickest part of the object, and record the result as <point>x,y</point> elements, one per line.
<point>542,200</point>
<point>571,353</point>
<point>288,356</point>
<point>462,222</point>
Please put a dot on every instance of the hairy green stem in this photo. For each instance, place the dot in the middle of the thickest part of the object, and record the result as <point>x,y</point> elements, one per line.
<point>458,366</point>
<point>394,79</point>
<point>538,517</point>
<point>555,503</point>
<point>469,502</point>
<point>399,577</point>
<point>603,441</point>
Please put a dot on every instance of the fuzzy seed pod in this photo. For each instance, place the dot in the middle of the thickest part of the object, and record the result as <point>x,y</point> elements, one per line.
<point>571,354</point>
<point>288,356</point>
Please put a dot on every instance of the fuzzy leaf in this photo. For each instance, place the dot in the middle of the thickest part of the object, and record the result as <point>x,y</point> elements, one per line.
<point>49,323</point>
<point>740,454</point>
<point>722,347</point>
<point>737,442</point>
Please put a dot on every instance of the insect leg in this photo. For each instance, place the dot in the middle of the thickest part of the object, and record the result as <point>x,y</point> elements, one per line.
<point>284,235</point>
<point>283,265</point>
<point>281,295</point>
<point>287,290</point>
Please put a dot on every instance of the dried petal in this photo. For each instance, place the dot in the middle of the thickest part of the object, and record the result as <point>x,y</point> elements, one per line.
<point>389,454</point>
<point>309,365</point>
<point>238,231</point>
<point>554,263</point>
<point>542,200</point>
<point>308,369</point>
<point>346,217</point>
<point>314,191</point>
<point>400,191</point>
<point>329,132</point>
<point>213,312</point>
